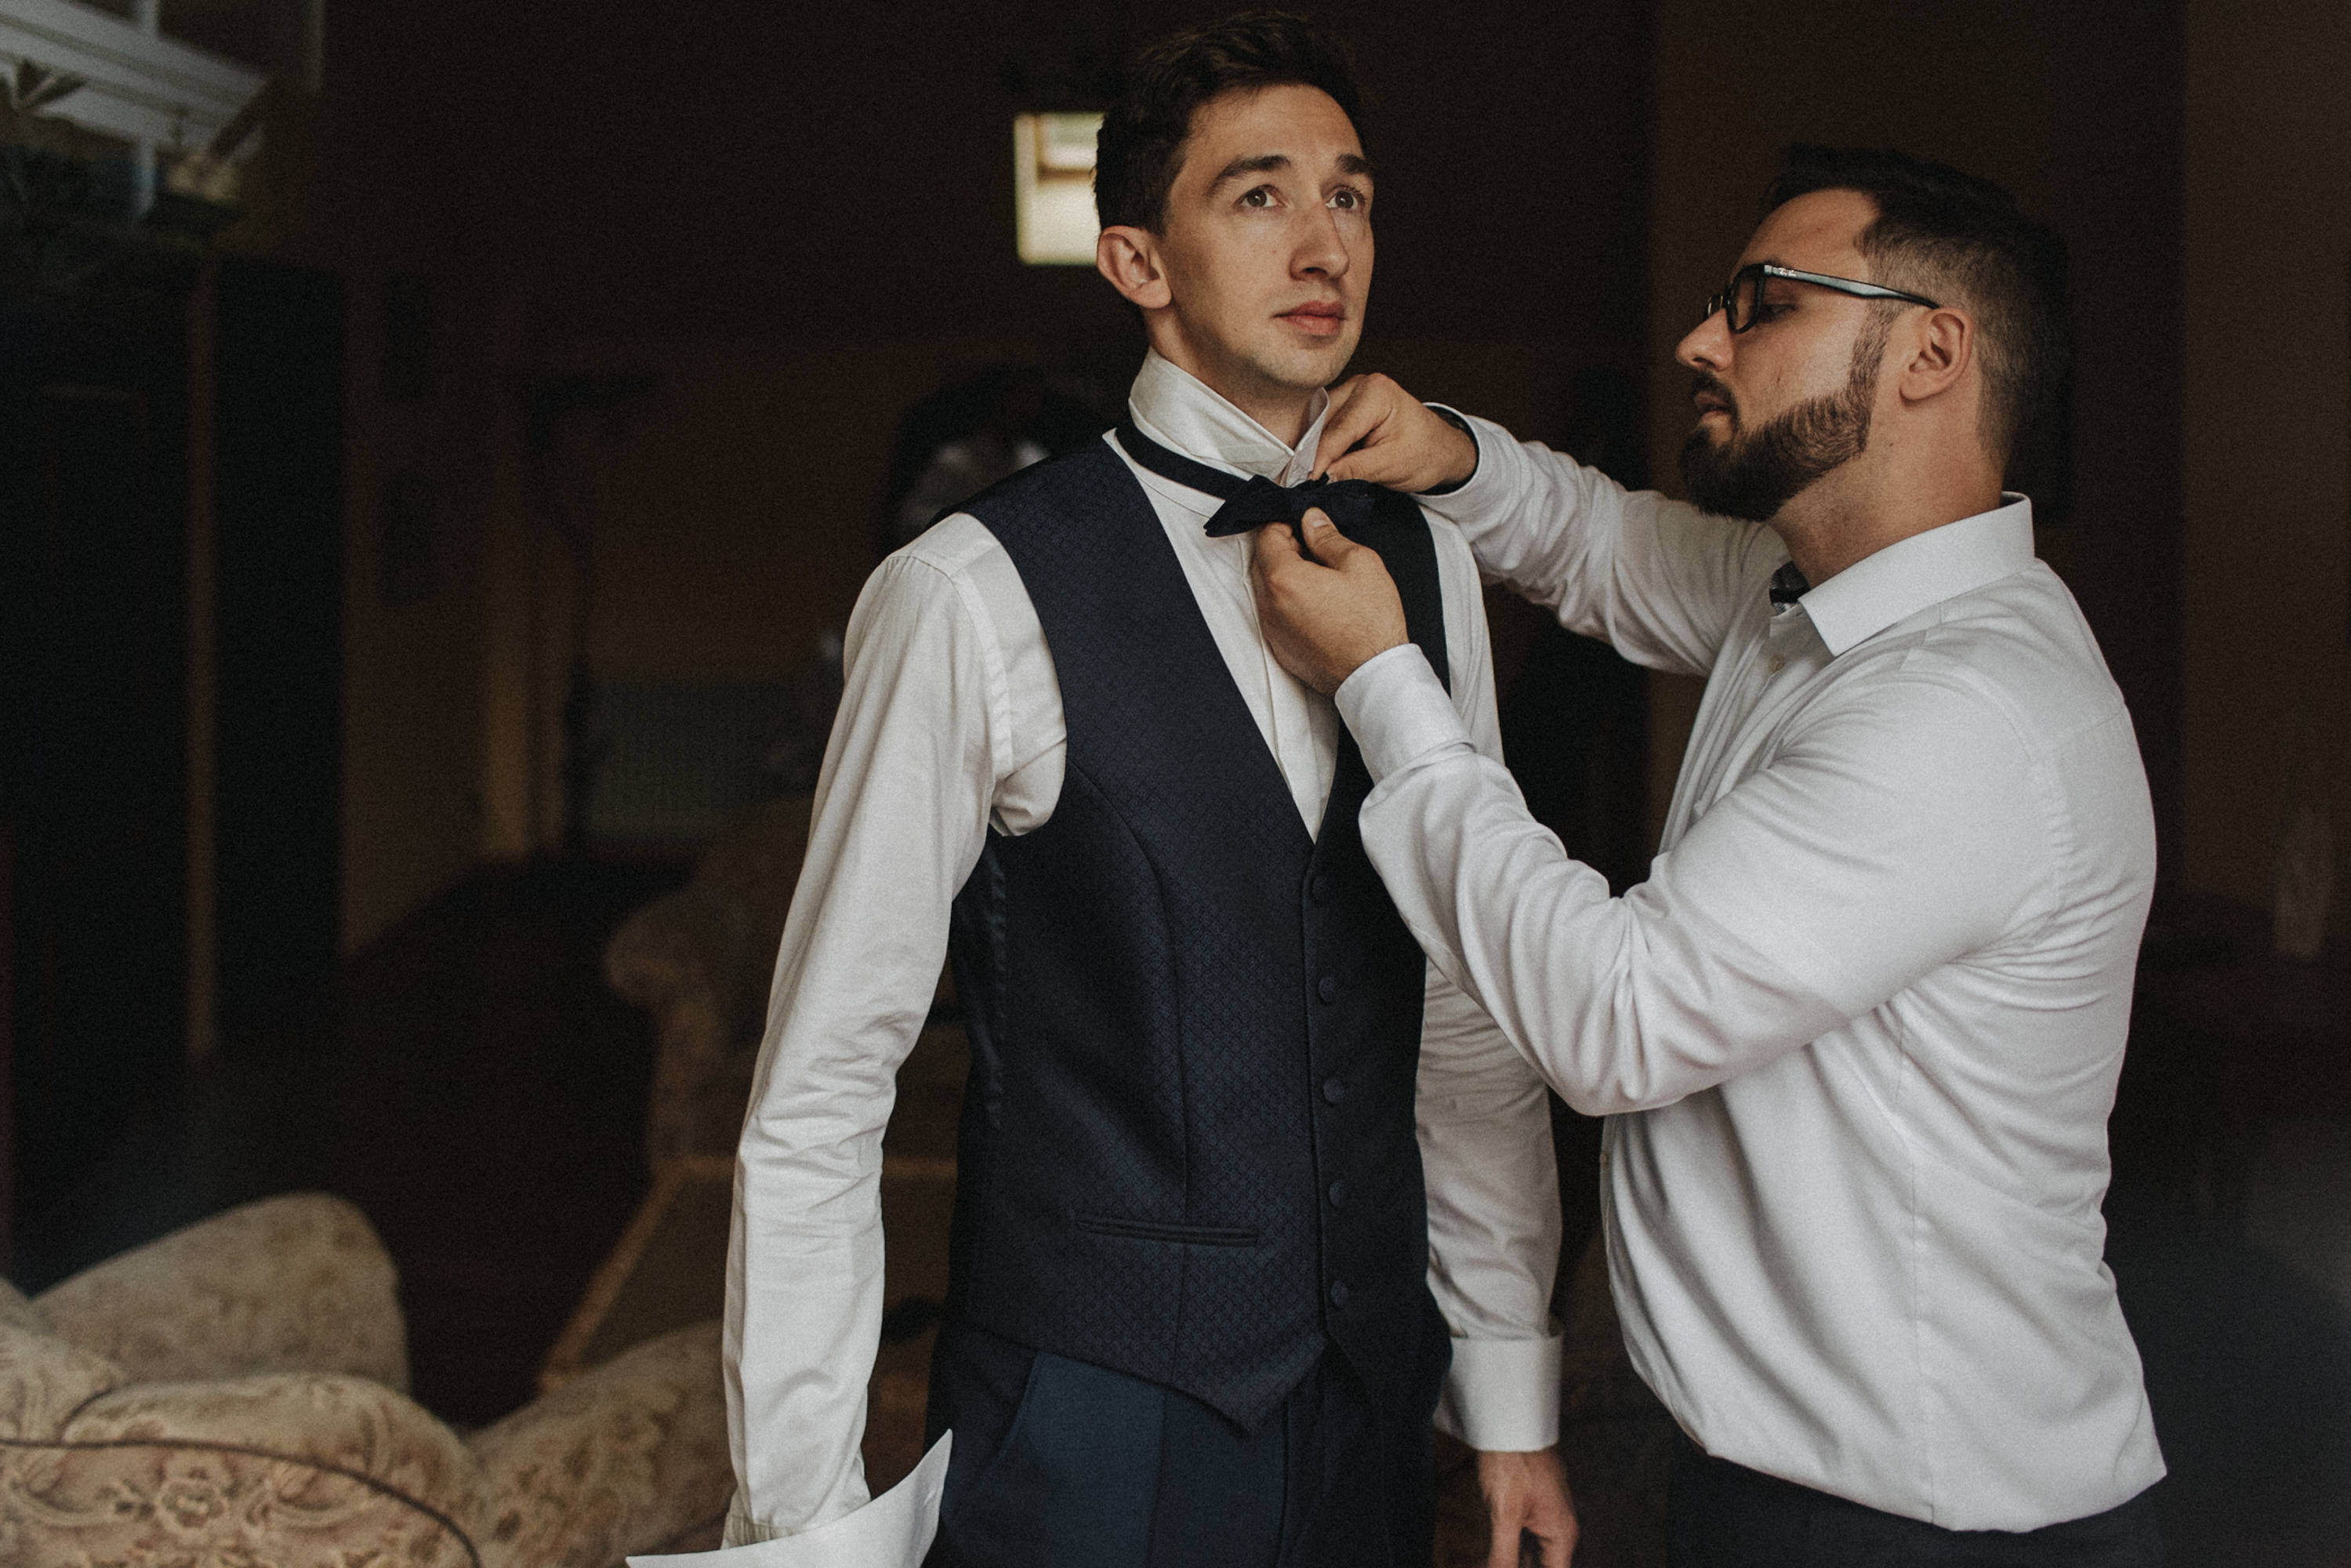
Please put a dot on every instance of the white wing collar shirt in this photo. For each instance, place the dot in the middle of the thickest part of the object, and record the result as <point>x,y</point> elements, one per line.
<point>1858,1035</point>
<point>951,727</point>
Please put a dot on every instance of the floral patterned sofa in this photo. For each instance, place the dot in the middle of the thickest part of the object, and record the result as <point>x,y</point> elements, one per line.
<point>231,1395</point>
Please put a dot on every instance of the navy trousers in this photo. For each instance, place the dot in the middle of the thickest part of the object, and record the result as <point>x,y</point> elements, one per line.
<point>1723,1515</point>
<point>1060,1464</point>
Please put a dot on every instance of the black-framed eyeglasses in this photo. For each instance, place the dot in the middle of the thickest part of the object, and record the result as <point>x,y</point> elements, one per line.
<point>1742,299</point>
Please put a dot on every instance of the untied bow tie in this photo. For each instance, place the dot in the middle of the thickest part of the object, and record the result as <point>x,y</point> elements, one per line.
<point>1253,502</point>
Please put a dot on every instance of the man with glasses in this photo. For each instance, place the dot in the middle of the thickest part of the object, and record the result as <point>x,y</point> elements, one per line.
<point>1858,1035</point>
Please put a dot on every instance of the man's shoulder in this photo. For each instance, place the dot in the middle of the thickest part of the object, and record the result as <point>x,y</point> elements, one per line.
<point>948,549</point>
<point>2025,639</point>
<point>1071,479</point>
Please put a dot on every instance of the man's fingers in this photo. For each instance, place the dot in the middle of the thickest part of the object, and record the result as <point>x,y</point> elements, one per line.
<point>1276,542</point>
<point>1357,407</point>
<point>1276,553</point>
<point>1326,544</point>
<point>1502,1549</point>
<point>1557,1529</point>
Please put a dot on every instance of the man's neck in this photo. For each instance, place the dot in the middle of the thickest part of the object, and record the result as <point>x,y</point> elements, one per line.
<point>1285,418</point>
<point>1844,518</point>
<point>1285,412</point>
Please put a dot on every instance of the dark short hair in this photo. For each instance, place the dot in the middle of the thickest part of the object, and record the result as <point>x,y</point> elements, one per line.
<point>1141,145</point>
<point>1954,237</point>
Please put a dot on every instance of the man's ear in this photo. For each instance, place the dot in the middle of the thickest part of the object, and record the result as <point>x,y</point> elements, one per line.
<point>1128,258</point>
<point>1940,350</point>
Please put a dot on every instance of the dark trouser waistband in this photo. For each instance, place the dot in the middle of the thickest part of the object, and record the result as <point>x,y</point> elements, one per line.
<point>1723,1515</point>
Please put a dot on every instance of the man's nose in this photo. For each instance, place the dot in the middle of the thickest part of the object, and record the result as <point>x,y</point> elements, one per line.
<point>1706,346</point>
<point>1321,247</point>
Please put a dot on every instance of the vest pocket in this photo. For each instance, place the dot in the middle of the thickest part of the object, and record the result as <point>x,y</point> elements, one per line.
<point>1152,1231</point>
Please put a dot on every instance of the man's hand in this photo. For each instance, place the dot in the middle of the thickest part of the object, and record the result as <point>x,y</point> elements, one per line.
<point>1527,1492</point>
<point>1404,446</point>
<point>1326,610</point>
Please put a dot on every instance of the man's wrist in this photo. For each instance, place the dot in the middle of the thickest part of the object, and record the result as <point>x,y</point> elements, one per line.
<point>1460,424</point>
<point>1397,710</point>
<point>1503,1396</point>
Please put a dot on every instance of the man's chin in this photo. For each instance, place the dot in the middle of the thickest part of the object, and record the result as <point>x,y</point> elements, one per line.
<point>1303,367</point>
<point>1715,486</point>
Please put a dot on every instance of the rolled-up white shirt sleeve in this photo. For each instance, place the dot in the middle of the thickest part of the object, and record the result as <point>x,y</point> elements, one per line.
<point>901,814</point>
<point>1893,831</point>
<point>1484,1125</point>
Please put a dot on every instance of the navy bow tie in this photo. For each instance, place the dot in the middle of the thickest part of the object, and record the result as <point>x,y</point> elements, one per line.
<point>1261,501</point>
<point>1253,502</point>
<point>1788,586</point>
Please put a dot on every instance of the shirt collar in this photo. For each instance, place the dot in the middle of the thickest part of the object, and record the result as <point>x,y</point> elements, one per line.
<point>1183,413</point>
<point>1924,570</point>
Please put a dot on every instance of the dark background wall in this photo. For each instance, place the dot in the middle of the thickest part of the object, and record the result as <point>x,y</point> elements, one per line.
<point>797,223</point>
<point>786,226</point>
<point>2265,331</point>
<point>2076,108</point>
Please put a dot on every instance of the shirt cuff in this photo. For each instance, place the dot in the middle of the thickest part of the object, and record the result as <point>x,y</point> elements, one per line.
<point>1397,710</point>
<point>893,1530</point>
<point>1459,421</point>
<point>1492,489</point>
<point>1502,1394</point>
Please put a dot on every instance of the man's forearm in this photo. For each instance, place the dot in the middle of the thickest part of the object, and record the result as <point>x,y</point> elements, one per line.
<point>898,828</point>
<point>1652,577</point>
<point>1493,1226</point>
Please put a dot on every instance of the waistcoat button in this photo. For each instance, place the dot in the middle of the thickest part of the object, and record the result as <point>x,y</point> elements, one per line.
<point>1318,890</point>
<point>1327,988</point>
<point>1338,1292</point>
<point>1339,1193</point>
<point>1334,1090</point>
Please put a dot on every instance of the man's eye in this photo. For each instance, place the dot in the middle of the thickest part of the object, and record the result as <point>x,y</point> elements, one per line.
<point>1261,197</point>
<point>1347,199</point>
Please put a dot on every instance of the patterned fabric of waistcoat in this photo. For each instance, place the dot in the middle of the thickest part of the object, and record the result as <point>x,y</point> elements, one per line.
<point>1187,1149</point>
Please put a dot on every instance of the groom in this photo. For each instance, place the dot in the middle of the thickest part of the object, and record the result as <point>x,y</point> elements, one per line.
<point>1201,1309</point>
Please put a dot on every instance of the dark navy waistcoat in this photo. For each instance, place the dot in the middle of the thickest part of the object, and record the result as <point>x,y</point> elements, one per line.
<point>1186,1152</point>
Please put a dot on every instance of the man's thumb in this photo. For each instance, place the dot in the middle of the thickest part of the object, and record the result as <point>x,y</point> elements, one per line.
<point>1323,536</point>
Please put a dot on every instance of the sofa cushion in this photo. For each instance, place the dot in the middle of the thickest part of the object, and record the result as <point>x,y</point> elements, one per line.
<point>286,1456</point>
<point>323,1419</point>
<point>43,1381</point>
<point>16,1310</point>
<point>67,1506</point>
<point>286,1284</point>
<point>632,1451</point>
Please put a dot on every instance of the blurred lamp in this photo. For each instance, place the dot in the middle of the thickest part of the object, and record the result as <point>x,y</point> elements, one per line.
<point>1054,184</point>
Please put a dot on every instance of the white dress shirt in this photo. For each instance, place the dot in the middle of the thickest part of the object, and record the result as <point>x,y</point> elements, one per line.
<point>1857,1036</point>
<point>951,727</point>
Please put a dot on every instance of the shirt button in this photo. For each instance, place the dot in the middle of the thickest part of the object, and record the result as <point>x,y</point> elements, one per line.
<point>1318,890</point>
<point>1334,1090</point>
<point>1327,988</point>
<point>1778,663</point>
<point>1338,1292</point>
<point>1339,1193</point>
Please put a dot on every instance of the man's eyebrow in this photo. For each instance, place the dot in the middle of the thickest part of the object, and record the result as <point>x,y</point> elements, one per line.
<point>1263,162</point>
<point>1353,164</point>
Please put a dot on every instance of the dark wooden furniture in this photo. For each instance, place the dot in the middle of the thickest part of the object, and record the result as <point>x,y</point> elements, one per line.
<point>93,747</point>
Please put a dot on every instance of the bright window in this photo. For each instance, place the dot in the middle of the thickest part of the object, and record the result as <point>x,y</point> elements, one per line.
<point>1053,183</point>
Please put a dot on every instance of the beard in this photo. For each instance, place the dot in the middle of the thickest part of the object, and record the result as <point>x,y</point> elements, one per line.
<point>1750,476</point>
